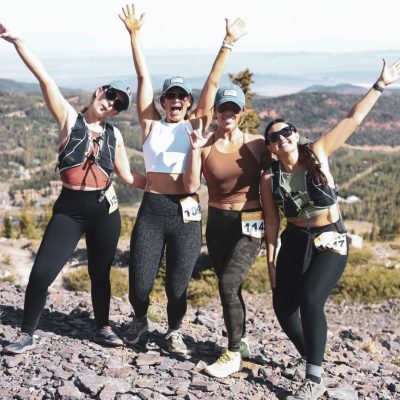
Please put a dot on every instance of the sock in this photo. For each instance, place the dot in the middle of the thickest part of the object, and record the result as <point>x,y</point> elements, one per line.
<point>313,373</point>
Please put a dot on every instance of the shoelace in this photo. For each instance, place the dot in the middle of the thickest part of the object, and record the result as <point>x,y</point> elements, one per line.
<point>224,358</point>
<point>175,336</point>
<point>307,388</point>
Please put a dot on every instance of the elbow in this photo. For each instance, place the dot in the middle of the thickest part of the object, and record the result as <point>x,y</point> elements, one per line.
<point>190,186</point>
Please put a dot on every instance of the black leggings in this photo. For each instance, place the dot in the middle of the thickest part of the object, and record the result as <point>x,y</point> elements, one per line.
<point>75,213</point>
<point>159,225</point>
<point>232,255</point>
<point>303,288</point>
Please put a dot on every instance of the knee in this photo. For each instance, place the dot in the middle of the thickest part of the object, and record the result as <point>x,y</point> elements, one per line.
<point>228,291</point>
<point>311,304</point>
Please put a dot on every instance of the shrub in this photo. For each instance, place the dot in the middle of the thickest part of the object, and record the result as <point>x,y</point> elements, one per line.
<point>368,284</point>
<point>78,279</point>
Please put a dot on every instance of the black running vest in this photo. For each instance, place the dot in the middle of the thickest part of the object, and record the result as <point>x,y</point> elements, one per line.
<point>76,151</point>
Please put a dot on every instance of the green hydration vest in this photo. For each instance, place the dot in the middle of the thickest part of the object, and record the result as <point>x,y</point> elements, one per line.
<point>298,195</point>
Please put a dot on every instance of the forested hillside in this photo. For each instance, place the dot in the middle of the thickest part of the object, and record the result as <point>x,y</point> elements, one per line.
<point>28,141</point>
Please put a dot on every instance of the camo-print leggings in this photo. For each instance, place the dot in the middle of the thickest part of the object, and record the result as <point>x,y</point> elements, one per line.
<point>232,255</point>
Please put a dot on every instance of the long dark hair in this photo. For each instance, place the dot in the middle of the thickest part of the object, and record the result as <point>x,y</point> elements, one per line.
<point>92,97</point>
<point>307,157</point>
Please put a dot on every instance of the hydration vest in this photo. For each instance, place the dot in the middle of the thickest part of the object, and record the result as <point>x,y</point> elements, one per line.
<point>320,196</point>
<point>78,147</point>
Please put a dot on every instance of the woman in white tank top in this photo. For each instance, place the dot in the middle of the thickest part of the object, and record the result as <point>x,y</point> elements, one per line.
<point>166,220</point>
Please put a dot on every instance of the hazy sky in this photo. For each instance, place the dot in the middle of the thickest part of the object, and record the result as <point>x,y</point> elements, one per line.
<point>75,26</point>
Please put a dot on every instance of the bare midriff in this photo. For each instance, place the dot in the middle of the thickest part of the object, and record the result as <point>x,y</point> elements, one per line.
<point>162,183</point>
<point>329,216</point>
<point>83,188</point>
<point>248,205</point>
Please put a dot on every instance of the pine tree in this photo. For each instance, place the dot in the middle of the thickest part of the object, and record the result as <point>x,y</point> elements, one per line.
<point>8,230</point>
<point>244,79</point>
<point>27,223</point>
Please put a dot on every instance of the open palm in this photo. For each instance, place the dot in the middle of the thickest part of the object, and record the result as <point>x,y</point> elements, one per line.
<point>131,21</point>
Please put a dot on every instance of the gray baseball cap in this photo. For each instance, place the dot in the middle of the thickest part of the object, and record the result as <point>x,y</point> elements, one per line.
<point>176,81</point>
<point>123,87</point>
<point>230,93</point>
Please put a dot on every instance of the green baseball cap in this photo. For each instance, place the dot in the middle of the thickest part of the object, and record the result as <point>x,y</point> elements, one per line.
<point>176,81</point>
<point>230,93</point>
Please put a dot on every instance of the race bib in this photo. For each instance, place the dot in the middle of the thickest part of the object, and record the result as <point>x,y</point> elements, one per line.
<point>331,241</point>
<point>253,223</point>
<point>111,197</point>
<point>191,210</point>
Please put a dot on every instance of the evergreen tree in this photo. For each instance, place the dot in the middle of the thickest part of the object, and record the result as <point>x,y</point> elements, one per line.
<point>244,79</point>
<point>27,223</point>
<point>8,230</point>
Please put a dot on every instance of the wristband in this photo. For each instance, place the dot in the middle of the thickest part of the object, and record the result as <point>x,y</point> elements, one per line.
<point>378,88</point>
<point>227,45</point>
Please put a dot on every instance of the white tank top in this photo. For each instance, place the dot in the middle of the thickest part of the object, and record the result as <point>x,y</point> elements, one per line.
<point>167,147</point>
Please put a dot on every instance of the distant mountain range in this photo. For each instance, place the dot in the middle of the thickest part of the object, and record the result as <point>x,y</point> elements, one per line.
<point>274,73</point>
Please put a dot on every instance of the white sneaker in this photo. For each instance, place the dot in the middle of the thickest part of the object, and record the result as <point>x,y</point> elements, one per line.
<point>228,363</point>
<point>309,390</point>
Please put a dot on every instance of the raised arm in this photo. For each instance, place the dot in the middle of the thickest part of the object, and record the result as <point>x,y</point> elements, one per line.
<point>337,136</point>
<point>271,223</point>
<point>56,103</point>
<point>234,31</point>
<point>145,96</point>
<point>122,168</point>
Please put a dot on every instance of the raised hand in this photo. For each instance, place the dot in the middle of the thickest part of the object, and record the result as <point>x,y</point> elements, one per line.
<point>235,30</point>
<point>6,34</point>
<point>197,139</point>
<point>390,74</point>
<point>130,19</point>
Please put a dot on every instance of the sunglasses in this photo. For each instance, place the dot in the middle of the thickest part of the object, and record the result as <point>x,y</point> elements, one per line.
<point>118,104</point>
<point>229,106</point>
<point>173,96</point>
<point>275,136</point>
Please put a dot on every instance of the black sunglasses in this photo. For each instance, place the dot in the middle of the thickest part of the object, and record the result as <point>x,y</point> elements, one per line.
<point>285,132</point>
<point>174,95</point>
<point>118,104</point>
<point>229,106</point>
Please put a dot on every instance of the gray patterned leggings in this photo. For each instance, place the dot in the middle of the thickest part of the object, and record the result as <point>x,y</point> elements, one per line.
<point>232,255</point>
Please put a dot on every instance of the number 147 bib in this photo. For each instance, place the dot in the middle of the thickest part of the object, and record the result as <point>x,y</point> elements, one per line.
<point>252,223</point>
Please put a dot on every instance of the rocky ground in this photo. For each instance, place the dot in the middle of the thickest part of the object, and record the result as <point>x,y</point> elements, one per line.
<point>362,358</point>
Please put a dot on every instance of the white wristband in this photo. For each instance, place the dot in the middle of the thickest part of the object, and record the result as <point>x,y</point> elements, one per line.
<point>227,45</point>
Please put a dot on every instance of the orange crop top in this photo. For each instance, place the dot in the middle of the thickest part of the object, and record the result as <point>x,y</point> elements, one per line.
<point>232,177</point>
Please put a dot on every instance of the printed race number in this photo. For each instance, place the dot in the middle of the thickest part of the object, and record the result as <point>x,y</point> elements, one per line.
<point>331,241</point>
<point>112,199</point>
<point>191,210</point>
<point>253,223</point>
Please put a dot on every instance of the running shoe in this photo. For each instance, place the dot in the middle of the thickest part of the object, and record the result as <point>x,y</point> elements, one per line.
<point>23,342</point>
<point>309,390</point>
<point>136,328</point>
<point>175,342</point>
<point>106,336</point>
<point>245,348</point>
<point>228,363</point>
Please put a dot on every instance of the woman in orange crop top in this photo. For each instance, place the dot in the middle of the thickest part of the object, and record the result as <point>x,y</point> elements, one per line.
<point>231,161</point>
<point>91,150</point>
